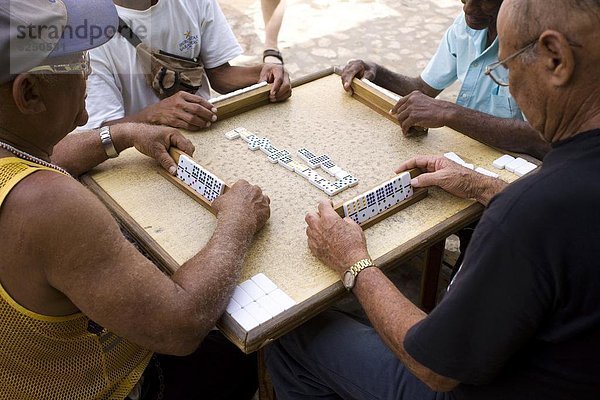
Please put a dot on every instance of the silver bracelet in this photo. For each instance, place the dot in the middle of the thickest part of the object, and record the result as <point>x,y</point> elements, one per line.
<point>107,143</point>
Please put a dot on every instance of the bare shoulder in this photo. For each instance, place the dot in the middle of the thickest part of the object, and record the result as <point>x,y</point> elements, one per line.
<point>57,211</point>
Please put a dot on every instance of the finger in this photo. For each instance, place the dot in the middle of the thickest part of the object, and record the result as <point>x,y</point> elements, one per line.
<point>406,165</point>
<point>400,105</point>
<point>278,77</point>
<point>421,162</point>
<point>351,71</point>
<point>165,160</point>
<point>326,209</point>
<point>190,122</point>
<point>182,143</point>
<point>311,219</point>
<point>285,91</point>
<point>408,123</point>
<point>192,98</point>
<point>179,122</point>
<point>200,111</point>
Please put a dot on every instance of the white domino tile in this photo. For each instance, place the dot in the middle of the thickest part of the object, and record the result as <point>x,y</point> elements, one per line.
<point>273,307</point>
<point>253,290</point>
<point>501,162</point>
<point>264,283</point>
<point>233,306</point>
<point>245,319</point>
<point>511,166</point>
<point>216,100</point>
<point>368,205</point>
<point>306,154</point>
<point>282,299</point>
<point>256,301</point>
<point>470,166</point>
<point>258,312</point>
<point>454,157</point>
<point>285,160</point>
<point>525,168</point>
<point>232,135</point>
<point>485,172</point>
<point>241,297</point>
<point>341,174</point>
<point>200,180</point>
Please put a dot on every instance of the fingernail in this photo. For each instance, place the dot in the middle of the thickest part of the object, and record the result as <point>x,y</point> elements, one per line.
<point>213,109</point>
<point>414,182</point>
<point>390,112</point>
<point>214,118</point>
<point>208,124</point>
<point>172,170</point>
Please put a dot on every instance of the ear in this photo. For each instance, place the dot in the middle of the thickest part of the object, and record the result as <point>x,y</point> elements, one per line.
<point>26,93</point>
<point>559,60</point>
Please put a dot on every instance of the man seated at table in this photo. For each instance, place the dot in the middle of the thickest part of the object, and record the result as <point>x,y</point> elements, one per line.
<point>118,90</point>
<point>484,110</point>
<point>82,313</point>
<point>521,319</point>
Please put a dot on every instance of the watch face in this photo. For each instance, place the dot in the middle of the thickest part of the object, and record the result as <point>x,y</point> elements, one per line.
<point>348,280</point>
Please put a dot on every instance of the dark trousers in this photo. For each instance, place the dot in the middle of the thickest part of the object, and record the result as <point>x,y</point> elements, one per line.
<point>216,371</point>
<point>333,356</point>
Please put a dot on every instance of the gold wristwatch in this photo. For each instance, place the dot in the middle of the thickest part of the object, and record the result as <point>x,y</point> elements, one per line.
<point>350,275</point>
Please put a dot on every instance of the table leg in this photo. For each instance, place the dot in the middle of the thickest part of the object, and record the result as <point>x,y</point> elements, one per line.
<point>431,274</point>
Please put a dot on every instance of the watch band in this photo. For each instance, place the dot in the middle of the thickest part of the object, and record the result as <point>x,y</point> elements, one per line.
<point>355,269</point>
<point>107,143</point>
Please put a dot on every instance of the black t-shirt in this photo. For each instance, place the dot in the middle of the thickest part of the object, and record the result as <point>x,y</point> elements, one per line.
<point>522,318</point>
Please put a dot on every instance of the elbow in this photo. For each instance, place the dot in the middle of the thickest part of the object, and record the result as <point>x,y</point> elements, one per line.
<point>182,337</point>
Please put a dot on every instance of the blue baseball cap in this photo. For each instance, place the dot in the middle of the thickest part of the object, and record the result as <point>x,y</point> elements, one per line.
<point>34,32</point>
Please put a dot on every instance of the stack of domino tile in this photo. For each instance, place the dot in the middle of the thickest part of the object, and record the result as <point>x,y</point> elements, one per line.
<point>518,166</point>
<point>369,205</point>
<point>200,180</point>
<point>282,157</point>
<point>256,301</point>
<point>454,157</point>
<point>224,97</point>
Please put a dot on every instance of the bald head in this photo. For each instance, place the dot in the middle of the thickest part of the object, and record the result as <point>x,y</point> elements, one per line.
<point>554,75</point>
<point>573,18</point>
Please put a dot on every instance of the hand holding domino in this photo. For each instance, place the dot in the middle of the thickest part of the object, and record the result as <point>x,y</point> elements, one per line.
<point>337,242</point>
<point>453,178</point>
<point>246,204</point>
<point>419,110</point>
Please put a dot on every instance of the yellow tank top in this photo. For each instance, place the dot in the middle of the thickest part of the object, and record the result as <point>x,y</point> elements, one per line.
<point>59,358</point>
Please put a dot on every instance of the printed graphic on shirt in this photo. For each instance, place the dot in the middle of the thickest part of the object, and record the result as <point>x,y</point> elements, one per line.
<point>189,41</point>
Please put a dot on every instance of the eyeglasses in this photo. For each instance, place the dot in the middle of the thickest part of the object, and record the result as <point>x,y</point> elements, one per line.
<point>498,70</point>
<point>81,66</point>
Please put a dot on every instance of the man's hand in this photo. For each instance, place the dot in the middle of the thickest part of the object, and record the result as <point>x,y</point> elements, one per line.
<point>418,109</point>
<point>182,110</point>
<point>278,76</point>
<point>357,69</point>
<point>155,141</point>
<point>453,178</point>
<point>337,242</point>
<point>246,204</point>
